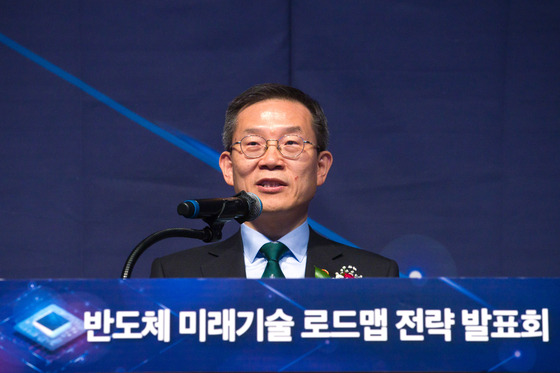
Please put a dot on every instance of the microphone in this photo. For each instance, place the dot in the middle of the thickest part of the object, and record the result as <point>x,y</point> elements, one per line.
<point>241,207</point>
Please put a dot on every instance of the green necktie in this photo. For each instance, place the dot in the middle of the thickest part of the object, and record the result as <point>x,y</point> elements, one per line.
<point>273,251</point>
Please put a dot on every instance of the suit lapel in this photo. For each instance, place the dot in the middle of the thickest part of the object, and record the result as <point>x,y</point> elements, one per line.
<point>228,259</point>
<point>321,253</point>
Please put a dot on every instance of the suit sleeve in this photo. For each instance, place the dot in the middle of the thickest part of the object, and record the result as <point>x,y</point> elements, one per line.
<point>157,269</point>
<point>393,269</point>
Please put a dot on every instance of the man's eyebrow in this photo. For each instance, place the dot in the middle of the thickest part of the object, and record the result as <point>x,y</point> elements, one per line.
<point>258,130</point>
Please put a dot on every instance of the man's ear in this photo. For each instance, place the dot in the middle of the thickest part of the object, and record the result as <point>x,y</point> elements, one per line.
<point>324,163</point>
<point>227,167</point>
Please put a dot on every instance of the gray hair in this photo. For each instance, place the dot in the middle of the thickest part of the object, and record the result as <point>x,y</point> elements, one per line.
<point>262,92</point>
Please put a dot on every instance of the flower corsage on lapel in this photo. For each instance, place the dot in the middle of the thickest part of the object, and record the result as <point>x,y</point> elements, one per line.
<point>344,272</point>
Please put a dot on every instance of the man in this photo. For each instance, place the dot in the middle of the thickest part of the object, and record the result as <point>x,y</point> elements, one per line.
<point>275,138</point>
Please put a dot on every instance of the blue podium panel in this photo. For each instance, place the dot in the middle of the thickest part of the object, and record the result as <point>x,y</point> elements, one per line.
<point>347,325</point>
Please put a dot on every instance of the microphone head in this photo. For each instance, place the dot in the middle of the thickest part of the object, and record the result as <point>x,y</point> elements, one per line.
<point>254,205</point>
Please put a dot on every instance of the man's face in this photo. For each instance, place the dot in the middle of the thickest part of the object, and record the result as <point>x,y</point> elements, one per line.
<point>284,185</point>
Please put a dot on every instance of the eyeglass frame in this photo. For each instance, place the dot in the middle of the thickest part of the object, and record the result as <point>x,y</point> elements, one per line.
<point>277,146</point>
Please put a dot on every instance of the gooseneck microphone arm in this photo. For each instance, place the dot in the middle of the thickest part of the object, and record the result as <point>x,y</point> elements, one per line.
<point>207,234</point>
<point>215,212</point>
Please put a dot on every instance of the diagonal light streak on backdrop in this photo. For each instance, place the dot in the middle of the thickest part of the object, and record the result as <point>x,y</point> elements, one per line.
<point>189,146</point>
<point>175,137</point>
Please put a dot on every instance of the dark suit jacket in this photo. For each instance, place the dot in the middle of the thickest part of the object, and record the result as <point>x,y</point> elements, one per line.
<point>225,259</point>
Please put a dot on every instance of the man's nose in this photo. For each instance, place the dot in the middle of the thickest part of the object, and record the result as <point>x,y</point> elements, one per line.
<point>272,153</point>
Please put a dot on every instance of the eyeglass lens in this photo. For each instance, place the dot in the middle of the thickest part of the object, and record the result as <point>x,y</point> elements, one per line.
<point>290,146</point>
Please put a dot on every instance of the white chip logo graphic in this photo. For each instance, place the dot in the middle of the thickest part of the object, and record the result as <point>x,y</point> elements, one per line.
<point>51,327</point>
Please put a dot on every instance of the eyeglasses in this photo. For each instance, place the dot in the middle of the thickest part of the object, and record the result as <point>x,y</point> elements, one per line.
<point>290,146</point>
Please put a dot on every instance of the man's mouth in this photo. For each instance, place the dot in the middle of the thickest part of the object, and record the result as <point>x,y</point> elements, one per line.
<point>270,184</point>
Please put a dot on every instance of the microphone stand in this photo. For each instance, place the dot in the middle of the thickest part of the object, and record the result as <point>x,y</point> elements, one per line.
<point>213,232</point>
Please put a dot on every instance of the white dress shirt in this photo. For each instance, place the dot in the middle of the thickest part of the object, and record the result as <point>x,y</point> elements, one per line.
<point>292,263</point>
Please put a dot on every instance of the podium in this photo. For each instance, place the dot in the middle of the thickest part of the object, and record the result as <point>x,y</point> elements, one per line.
<point>308,325</point>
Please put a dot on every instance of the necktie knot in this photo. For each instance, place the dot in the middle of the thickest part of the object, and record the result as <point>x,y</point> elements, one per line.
<point>273,252</point>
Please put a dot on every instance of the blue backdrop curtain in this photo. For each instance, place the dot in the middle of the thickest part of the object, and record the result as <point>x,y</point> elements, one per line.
<point>444,119</point>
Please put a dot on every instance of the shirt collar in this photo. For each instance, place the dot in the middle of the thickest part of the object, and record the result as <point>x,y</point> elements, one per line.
<point>296,241</point>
